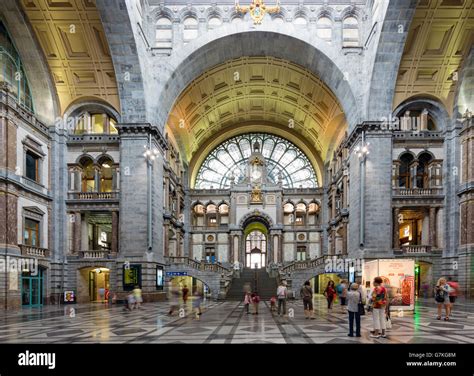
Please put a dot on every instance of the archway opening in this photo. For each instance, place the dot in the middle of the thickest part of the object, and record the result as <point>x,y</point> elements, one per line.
<point>256,245</point>
<point>93,285</point>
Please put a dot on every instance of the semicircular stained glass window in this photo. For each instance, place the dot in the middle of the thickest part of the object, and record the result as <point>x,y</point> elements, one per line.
<point>282,158</point>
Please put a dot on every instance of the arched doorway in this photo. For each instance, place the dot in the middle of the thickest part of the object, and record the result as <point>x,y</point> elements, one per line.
<point>256,246</point>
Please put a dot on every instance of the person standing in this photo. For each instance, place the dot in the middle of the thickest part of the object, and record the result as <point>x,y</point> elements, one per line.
<point>342,294</point>
<point>330,294</point>
<point>174,300</point>
<point>453,293</point>
<point>379,301</point>
<point>282,295</point>
<point>255,301</point>
<point>247,301</point>
<point>354,298</point>
<point>306,293</point>
<point>441,293</point>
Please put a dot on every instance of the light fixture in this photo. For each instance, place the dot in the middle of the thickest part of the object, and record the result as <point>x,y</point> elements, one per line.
<point>106,165</point>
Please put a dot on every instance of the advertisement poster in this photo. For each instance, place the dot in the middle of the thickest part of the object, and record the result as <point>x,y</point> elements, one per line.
<point>398,277</point>
<point>159,278</point>
<point>131,277</point>
<point>69,297</point>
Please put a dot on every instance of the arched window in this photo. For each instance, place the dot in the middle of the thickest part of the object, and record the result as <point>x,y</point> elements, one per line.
<point>230,159</point>
<point>288,208</point>
<point>324,29</point>
<point>255,250</point>
<point>106,175</point>
<point>214,22</point>
<point>313,208</point>
<point>88,175</point>
<point>191,26</point>
<point>278,21</point>
<point>211,214</point>
<point>300,21</point>
<point>422,176</point>
<point>95,123</point>
<point>404,173</point>
<point>237,20</point>
<point>350,32</point>
<point>223,209</point>
<point>12,72</point>
<point>164,33</point>
<point>300,214</point>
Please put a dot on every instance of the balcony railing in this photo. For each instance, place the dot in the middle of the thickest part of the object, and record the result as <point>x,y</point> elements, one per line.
<point>418,191</point>
<point>199,265</point>
<point>299,265</point>
<point>94,254</point>
<point>415,249</point>
<point>91,196</point>
<point>28,250</point>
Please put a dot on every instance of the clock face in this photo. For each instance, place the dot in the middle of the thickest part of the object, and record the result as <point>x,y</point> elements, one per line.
<point>256,174</point>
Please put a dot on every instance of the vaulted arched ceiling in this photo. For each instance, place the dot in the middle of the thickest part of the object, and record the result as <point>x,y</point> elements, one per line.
<point>72,37</point>
<point>253,90</point>
<point>440,37</point>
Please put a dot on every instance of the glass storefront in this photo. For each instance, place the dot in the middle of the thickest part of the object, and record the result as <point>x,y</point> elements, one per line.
<point>32,289</point>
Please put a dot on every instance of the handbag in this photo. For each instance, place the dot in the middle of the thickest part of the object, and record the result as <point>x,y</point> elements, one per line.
<point>360,306</point>
<point>389,323</point>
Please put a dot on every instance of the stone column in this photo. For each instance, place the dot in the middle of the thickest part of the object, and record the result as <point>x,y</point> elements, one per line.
<point>432,234</point>
<point>377,193</point>
<point>77,232</point>
<point>396,229</point>
<point>115,232</point>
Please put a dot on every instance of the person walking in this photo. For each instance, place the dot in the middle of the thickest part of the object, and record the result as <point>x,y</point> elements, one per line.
<point>197,304</point>
<point>185,295</point>
<point>306,293</point>
<point>255,301</point>
<point>354,298</point>
<point>453,293</point>
<point>174,300</point>
<point>441,295</point>
<point>137,295</point>
<point>282,296</point>
<point>247,301</point>
<point>330,294</point>
<point>379,301</point>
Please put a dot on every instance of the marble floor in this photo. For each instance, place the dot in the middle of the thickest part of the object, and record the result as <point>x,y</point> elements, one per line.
<point>224,322</point>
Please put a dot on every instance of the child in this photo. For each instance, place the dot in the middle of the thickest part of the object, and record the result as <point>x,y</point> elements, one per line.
<point>255,301</point>
<point>247,301</point>
<point>273,304</point>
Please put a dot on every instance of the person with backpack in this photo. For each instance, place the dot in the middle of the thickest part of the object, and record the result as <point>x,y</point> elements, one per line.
<point>441,295</point>
<point>282,296</point>
<point>306,293</point>
<point>379,302</point>
<point>255,301</point>
<point>330,294</point>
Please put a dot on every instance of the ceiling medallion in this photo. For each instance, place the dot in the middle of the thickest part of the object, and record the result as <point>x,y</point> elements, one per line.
<point>257,10</point>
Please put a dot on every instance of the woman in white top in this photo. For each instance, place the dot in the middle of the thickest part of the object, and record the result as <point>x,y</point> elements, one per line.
<point>441,294</point>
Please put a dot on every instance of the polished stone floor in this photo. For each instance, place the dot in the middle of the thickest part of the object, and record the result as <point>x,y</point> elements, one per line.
<point>224,322</point>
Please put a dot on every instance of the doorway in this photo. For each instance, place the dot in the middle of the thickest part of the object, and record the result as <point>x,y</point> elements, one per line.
<point>99,284</point>
<point>255,250</point>
<point>32,289</point>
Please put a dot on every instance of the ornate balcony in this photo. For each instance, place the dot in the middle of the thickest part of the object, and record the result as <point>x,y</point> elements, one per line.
<point>417,192</point>
<point>198,265</point>
<point>29,250</point>
<point>93,196</point>
<point>414,250</point>
<point>94,255</point>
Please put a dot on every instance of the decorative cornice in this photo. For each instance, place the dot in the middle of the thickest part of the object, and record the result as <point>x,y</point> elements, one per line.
<point>130,129</point>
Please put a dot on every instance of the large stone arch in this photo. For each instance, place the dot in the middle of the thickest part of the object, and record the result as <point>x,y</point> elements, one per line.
<point>45,98</point>
<point>129,58</point>
<point>390,48</point>
<point>233,41</point>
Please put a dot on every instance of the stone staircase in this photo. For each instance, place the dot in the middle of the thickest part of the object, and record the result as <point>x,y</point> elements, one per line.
<point>259,281</point>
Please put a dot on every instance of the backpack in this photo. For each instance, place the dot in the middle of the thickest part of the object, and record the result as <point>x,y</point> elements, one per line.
<point>439,295</point>
<point>339,289</point>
